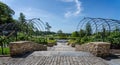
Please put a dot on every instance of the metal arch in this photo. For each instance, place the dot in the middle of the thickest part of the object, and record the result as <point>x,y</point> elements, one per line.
<point>98,22</point>
<point>38,25</point>
<point>117,21</point>
<point>95,25</point>
<point>111,20</point>
<point>106,21</point>
<point>113,24</point>
<point>12,26</point>
<point>42,23</point>
<point>32,20</point>
<point>82,22</point>
<point>79,24</point>
<point>89,20</point>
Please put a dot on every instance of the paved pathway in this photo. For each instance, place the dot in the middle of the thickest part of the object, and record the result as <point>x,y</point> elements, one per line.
<point>61,47</point>
<point>57,55</point>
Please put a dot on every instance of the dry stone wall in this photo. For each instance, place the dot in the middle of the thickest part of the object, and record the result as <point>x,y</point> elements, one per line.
<point>22,47</point>
<point>100,49</point>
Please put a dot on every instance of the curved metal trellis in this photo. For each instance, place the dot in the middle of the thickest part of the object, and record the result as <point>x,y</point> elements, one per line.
<point>11,29</point>
<point>97,24</point>
<point>38,23</point>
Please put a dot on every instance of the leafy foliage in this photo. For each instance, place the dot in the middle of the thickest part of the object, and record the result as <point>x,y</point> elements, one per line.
<point>61,35</point>
<point>75,34</point>
<point>51,40</point>
<point>6,51</point>
<point>5,14</point>
<point>88,29</point>
<point>48,26</point>
<point>22,18</point>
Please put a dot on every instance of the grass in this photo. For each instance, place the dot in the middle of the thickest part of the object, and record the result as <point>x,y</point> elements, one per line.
<point>6,51</point>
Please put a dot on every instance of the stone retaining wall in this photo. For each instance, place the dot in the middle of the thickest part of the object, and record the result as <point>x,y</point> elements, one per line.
<point>100,49</point>
<point>22,47</point>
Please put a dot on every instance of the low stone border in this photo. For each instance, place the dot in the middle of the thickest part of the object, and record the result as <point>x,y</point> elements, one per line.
<point>22,47</point>
<point>100,49</point>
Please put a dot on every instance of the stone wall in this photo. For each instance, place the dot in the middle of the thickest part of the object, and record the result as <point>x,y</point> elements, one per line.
<point>100,49</point>
<point>22,47</point>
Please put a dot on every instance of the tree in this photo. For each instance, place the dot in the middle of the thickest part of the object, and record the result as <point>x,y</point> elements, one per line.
<point>22,22</point>
<point>75,34</point>
<point>88,29</point>
<point>82,33</point>
<point>103,33</point>
<point>5,14</point>
<point>48,27</point>
<point>61,34</point>
<point>22,18</point>
<point>117,29</point>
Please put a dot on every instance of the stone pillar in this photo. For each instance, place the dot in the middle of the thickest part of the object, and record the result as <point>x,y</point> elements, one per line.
<point>18,48</point>
<point>100,49</point>
<point>22,47</point>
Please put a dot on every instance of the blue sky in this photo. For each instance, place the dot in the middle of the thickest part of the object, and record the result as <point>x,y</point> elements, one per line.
<point>65,14</point>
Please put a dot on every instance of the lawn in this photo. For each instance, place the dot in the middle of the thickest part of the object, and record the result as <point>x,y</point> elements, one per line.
<point>6,51</point>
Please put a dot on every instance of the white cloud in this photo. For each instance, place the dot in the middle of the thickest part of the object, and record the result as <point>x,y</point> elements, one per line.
<point>78,5</point>
<point>75,12</point>
<point>67,14</point>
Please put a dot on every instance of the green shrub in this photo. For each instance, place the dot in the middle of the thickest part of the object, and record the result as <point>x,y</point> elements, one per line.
<point>114,38</point>
<point>51,40</point>
<point>39,40</point>
<point>21,36</point>
<point>6,51</point>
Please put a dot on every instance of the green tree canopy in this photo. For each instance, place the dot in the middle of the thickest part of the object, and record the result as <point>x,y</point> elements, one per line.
<point>6,13</point>
<point>82,33</point>
<point>48,27</point>
<point>22,18</point>
<point>88,29</point>
<point>61,34</point>
<point>75,34</point>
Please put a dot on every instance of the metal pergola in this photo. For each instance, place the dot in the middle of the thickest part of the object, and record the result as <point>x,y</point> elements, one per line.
<point>97,24</point>
<point>11,29</point>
